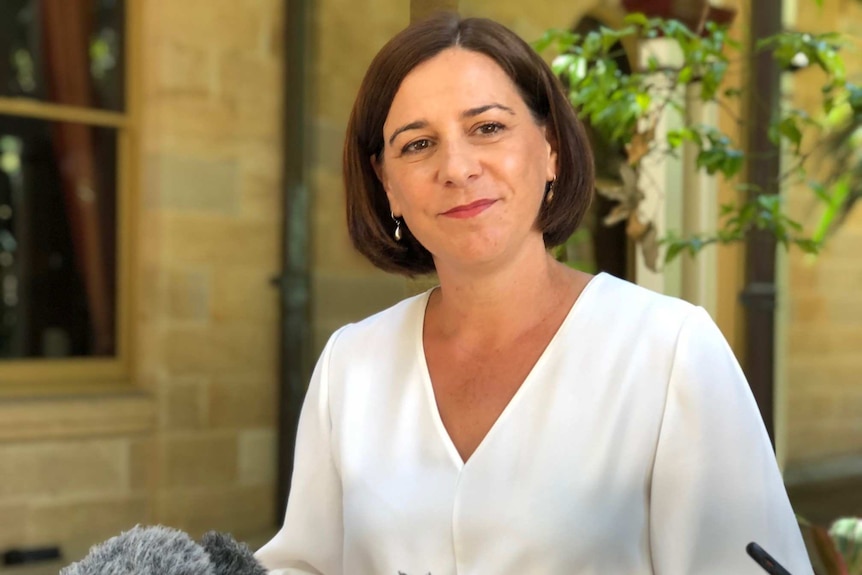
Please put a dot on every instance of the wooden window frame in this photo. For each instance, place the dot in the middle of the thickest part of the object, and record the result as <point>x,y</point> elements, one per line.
<point>48,376</point>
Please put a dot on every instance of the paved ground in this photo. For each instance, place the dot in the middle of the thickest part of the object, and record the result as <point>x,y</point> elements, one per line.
<point>825,501</point>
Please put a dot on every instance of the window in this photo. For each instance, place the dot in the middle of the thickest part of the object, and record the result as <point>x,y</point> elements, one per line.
<point>65,162</point>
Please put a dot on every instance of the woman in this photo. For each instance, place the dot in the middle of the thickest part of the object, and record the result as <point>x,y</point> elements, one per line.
<point>522,417</point>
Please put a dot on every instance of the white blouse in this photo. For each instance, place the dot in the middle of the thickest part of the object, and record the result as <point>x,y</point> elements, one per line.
<point>634,446</point>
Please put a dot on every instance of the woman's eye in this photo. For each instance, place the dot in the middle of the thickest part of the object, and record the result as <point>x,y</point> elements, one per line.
<point>416,146</point>
<point>490,128</point>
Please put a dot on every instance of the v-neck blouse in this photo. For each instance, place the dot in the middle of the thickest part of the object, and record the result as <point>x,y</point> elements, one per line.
<point>421,357</point>
<point>634,446</point>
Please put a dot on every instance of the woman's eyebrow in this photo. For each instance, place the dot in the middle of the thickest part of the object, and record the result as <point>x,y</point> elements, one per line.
<point>472,112</point>
<point>417,125</point>
<point>481,109</point>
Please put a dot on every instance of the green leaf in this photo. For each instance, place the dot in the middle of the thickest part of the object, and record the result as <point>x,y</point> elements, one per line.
<point>545,42</point>
<point>685,75</point>
<point>562,63</point>
<point>643,101</point>
<point>808,245</point>
<point>673,250</point>
<point>638,19</point>
<point>836,195</point>
<point>734,160</point>
<point>788,128</point>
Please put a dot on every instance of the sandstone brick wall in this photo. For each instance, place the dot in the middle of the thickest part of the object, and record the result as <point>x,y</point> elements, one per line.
<point>211,196</point>
<point>824,320</point>
<point>206,331</point>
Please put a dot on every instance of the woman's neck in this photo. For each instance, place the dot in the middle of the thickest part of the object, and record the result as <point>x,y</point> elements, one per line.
<point>501,303</point>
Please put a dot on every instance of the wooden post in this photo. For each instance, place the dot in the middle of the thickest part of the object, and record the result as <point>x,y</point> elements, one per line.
<point>421,9</point>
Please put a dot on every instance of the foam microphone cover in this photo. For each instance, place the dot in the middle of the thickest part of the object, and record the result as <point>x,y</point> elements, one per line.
<point>229,557</point>
<point>155,550</point>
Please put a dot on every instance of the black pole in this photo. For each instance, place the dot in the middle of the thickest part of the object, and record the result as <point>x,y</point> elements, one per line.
<point>758,296</point>
<point>294,281</point>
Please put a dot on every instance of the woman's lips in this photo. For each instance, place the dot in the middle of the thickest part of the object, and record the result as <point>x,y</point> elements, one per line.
<point>469,210</point>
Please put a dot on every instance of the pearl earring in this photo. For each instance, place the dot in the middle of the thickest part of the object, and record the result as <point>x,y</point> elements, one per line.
<point>397,233</point>
<point>549,196</point>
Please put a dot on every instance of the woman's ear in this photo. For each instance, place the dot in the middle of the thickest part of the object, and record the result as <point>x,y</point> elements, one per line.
<point>553,167</point>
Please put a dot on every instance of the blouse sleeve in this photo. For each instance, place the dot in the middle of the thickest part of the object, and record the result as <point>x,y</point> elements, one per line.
<point>715,482</point>
<point>311,539</point>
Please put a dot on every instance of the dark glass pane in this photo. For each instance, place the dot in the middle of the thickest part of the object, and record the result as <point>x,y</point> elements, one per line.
<point>63,51</point>
<point>57,239</point>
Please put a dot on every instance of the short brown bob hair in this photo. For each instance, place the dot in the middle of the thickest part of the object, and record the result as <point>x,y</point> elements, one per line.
<point>369,220</point>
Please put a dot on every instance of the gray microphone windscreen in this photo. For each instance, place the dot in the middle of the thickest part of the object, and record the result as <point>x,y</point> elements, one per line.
<point>153,550</point>
<point>229,557</point>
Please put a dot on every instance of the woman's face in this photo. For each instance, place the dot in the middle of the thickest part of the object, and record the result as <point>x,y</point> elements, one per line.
<point>464,162</point>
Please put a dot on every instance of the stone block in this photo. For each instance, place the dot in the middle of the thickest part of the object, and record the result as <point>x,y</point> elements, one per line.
<point>210,239</point>
<point>93,519</point>
<point>236,403</point>
<point>808,309</point>
<point>221,348</point>
<point>802,276</point>
<point>260,158</point>
<point>253,84</point>
<point>143,465</point>
<point>190,124</point>
<point>342,30</point>
<point>845,308</point>
<point>185,405</point>
<point>257,457</point>
<point>351,297</point>
<point>272,38</point>
<point>13,522</point>
<point>261,198</point>
<point>200,460</point>
<point>811,373</point>
<point>242,511</point>
<point>208,24</point>
<point>530,24</point>
<point>65,418</point>
<point>180,67</point>
<point>189,293</point>
<point>245,294</point>
<point>332,248</point>
<point>197,185</point>
<point>825,341</point>
<point>328,145</point>
<point>151,290</point>
<point>63,469</point>
<point>821,440</point>
<point>149,344</point>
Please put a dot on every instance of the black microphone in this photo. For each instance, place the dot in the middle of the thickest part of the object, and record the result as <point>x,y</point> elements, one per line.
<point>765,560</point>
<point>161,550</point>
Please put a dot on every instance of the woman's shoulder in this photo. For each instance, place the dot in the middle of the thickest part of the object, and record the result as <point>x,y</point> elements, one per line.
<point>630,303</point>
<point>394,325</point>
<point>625,316</point>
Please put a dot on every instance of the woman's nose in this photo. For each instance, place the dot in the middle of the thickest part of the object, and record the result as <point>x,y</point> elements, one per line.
<point>458,163</point>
